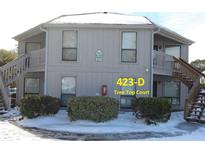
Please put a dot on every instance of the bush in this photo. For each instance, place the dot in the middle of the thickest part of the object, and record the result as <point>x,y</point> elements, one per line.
<point>152,109</point>
<point>32,106</point>
<point>97,108</point>
<point>49,105</point>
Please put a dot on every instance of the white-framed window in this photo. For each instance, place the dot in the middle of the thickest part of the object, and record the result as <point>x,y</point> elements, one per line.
<point>173,50</point>
<point>129,47</point>
<point>31,86</point>
<point>171,91</point>
<point>68,89</point>
<point>69,49</point>
<point>31,46</point>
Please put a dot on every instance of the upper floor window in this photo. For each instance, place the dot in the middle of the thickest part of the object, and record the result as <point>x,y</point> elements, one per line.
<point>69,51</point>
<point>31,46</point>
<point>173,50</point>
<point>129,47</point>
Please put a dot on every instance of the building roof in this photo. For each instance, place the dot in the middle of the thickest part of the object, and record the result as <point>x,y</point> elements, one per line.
<point>104,18</point>
<point>100,18</point>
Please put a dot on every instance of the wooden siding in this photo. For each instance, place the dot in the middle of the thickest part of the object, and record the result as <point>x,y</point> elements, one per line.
<point>90,74</point>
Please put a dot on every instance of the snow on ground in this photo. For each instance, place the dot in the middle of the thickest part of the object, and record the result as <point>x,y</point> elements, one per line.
<point>198,135</point>
<point>125,123</point>
<point>12,113</point>
<point>9,132</point>
<point>202,91</point>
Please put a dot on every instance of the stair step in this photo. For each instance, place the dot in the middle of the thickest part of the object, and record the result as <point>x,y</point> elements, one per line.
<point>197,111</point>
<point>200,99</point>
<point>201,96</point>
<point>2,108</point>
<point>199,104</point>
<point>187,78</point>
<point>200,117</point>
<point>195,120</point>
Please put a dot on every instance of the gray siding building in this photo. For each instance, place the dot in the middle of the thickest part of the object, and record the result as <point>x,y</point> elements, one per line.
<point>78,55</point>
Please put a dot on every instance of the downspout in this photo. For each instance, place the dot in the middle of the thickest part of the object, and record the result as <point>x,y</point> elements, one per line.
<point>46,60</point>
<point>152,56</point>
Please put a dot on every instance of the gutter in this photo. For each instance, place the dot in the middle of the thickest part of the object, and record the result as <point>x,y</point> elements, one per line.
<point>152,56</point>
<point>46,60</point>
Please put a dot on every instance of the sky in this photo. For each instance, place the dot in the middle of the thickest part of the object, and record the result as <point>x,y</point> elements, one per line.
<point>19,16</point>
<point>190,25</point>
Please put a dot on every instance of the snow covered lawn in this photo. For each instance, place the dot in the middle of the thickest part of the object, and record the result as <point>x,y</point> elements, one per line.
<point>10,114</point>
<point>9,132</point>
<point>125,123</point>
<point>126,126</point>
<point>202,91</point>
<point>198,135</point>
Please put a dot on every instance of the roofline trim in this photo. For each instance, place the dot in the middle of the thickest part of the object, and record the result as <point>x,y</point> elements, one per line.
<point>163,31</point>
<point>174,35</point>
<point>31,31</point>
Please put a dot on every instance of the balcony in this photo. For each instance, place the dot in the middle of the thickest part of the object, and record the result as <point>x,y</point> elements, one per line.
<point>37,60</point>
<point>31,62</point>
<point>162,63</point>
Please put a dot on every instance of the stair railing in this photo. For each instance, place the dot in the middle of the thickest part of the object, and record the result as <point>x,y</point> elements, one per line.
<point>13,69</point>
<point>181,66</point>
<point>191,98</point>
<point>10,72</point>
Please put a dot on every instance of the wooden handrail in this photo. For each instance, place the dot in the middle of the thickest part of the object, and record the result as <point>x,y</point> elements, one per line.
<point>5,94</point>
<point>191,97</point>
<point>194,74</point>
<point>188,66</point>
<point>10,72</point>
<point>195,69</point>
<point>13,69</point>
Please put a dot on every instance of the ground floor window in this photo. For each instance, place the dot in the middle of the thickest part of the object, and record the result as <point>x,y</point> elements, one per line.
<point>31,86</point>
<point>125,100</point>
<point>171,91</point>
<point>68,89</point>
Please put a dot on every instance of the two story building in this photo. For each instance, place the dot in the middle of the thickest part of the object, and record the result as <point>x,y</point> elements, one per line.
<point>79,54</point>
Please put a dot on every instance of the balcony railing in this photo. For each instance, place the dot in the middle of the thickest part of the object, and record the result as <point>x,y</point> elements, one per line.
<point>31,62</point>
<point>37,59</point>
<point>162,63</point>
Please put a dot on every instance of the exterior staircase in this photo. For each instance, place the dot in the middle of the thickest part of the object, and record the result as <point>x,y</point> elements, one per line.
<point>194,109</point>
<point>9,73</point>
<point>1,102</point>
